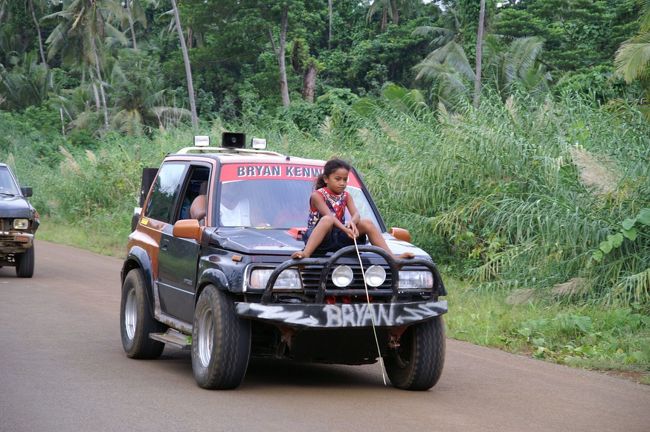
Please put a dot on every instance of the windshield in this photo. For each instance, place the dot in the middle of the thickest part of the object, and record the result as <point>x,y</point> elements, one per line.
<point>275,201</point>
<point>7,184</point>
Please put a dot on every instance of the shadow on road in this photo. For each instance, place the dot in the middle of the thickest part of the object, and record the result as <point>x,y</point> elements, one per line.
<point>271,372</point>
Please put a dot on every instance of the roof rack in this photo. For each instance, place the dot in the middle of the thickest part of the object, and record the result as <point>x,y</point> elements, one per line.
<point>229,150</point>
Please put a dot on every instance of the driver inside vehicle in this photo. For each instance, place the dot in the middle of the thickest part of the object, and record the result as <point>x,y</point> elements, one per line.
<point>199,207</point>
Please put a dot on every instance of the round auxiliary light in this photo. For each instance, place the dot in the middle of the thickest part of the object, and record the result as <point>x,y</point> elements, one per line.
<point>342,276</point>
<point>375,275</point>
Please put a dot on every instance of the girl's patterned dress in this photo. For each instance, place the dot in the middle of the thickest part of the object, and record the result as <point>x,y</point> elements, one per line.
<point>337,204</point>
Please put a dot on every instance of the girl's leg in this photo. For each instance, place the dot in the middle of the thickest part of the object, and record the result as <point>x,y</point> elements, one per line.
<point>323,227</point>
<point>365,226</point>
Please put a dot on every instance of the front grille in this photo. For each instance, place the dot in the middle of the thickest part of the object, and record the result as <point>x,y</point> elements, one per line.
<point>6,224</point>
<point>311,276</point>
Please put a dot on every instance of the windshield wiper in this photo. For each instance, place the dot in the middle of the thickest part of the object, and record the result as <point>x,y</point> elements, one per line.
<point>7,194</point>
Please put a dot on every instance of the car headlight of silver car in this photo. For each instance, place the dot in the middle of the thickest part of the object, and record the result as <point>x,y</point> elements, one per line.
<point>415,279</point>
<point>21,224</point>
<point>287,280</point>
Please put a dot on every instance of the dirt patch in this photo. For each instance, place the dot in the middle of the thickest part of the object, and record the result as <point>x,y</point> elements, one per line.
<point>636,376</point>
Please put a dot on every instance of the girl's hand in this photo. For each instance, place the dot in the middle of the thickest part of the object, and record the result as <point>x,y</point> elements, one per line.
<point>353,229</point>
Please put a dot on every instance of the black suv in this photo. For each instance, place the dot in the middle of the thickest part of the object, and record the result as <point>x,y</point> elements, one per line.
<point>209,269</point>
<point>18,223</point>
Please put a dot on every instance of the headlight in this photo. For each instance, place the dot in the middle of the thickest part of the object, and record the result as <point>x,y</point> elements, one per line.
<point>375,275</point>
<point>287,280</point>
<point>21,224</point>
<point>342,276</point>
<point>409,279</point>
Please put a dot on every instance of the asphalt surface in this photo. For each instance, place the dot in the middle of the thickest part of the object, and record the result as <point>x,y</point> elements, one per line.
<point>62,368</point>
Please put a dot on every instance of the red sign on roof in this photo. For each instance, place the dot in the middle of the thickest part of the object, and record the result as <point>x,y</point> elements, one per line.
<point>271,171</point>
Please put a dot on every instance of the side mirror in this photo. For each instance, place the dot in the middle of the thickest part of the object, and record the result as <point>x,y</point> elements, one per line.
<point>188,229</point>
<point>26,191</point>
<point>400,234</point>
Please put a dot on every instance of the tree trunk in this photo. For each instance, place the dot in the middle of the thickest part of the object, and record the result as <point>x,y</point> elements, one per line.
<point>393,5</point>
<point>128,11</point>
<point>38,30</point>
<point>188,69</point>
<point>101,83</point>
<point>479,56</point>
<point>329,34</point>
<point>384,20</point>
<point>309,82</point>
<point>280,51</point>
<point>62,122</point>
<point>98,104</point>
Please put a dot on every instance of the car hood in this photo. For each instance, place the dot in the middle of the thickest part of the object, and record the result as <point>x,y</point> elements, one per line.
<point>14,207</point>
<point>282,242</point>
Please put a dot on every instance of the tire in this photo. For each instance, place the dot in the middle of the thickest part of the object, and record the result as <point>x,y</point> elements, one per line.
<point>136,320</point>
<point>417,363</point>
<point>221,342</point>
<point>25,263</point>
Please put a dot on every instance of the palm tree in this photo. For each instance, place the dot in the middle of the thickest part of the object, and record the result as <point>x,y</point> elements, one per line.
<point>188,68</point>
<point>389,9</point>
<point>507,68</point>
<point>329,33</point>
<point>448,68</point>
<point>280,49</point>
<point>38,30</point>
<point>80,35</point>
<point>479,55</point>
<point>386,9</point>
<point>633,58</point>
<point>516,65</point>
<point>134,14</point>
<point>139,95</point>
<point>26,84</point>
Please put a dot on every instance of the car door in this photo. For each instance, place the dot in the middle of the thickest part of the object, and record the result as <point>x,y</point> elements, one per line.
<point>179,257</point>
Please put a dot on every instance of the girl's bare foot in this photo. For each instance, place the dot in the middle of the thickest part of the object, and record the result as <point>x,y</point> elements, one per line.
<point>298,255</point>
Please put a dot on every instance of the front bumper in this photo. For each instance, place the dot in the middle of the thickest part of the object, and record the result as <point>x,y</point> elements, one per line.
<point>15,242</point>
<point>401,310</point>
<point>343,315</point>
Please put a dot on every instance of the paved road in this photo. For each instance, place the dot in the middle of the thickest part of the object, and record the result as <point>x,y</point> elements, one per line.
<point>62,368</point>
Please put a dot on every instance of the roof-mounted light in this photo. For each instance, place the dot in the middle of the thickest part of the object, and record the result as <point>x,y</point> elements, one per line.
<point>258,143</point>
<point>201,141</point>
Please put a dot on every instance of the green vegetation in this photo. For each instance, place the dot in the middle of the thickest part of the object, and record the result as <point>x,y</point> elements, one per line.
<point>588,336</point>
<point>538,200</point>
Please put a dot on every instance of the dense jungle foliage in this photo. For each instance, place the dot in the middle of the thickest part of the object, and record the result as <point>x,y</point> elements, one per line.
<point>529,181</point>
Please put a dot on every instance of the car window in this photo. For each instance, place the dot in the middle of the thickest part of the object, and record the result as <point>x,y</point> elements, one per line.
<point>265,200</point>
<point>7,183</point>
<point>165,192</point>
<point>196,188</point>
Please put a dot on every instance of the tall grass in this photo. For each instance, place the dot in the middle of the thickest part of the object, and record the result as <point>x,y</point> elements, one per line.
<point>493,194</point>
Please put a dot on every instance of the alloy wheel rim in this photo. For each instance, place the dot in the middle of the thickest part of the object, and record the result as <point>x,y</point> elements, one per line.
<point>206,336</point>
<point>130,314</point>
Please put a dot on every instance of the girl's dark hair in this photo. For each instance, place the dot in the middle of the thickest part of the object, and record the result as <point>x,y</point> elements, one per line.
<point>330,166</point>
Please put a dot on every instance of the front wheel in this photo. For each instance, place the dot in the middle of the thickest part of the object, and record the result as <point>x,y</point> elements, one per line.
<point>221,341</point>
<point>136,320</point>
<point>25,263</point>
<point>417,363</point>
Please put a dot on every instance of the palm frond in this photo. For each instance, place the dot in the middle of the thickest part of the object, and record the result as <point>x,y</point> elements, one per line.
<point>633,58</point>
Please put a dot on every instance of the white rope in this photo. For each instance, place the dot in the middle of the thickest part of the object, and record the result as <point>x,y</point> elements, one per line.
<point>372,316</point>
